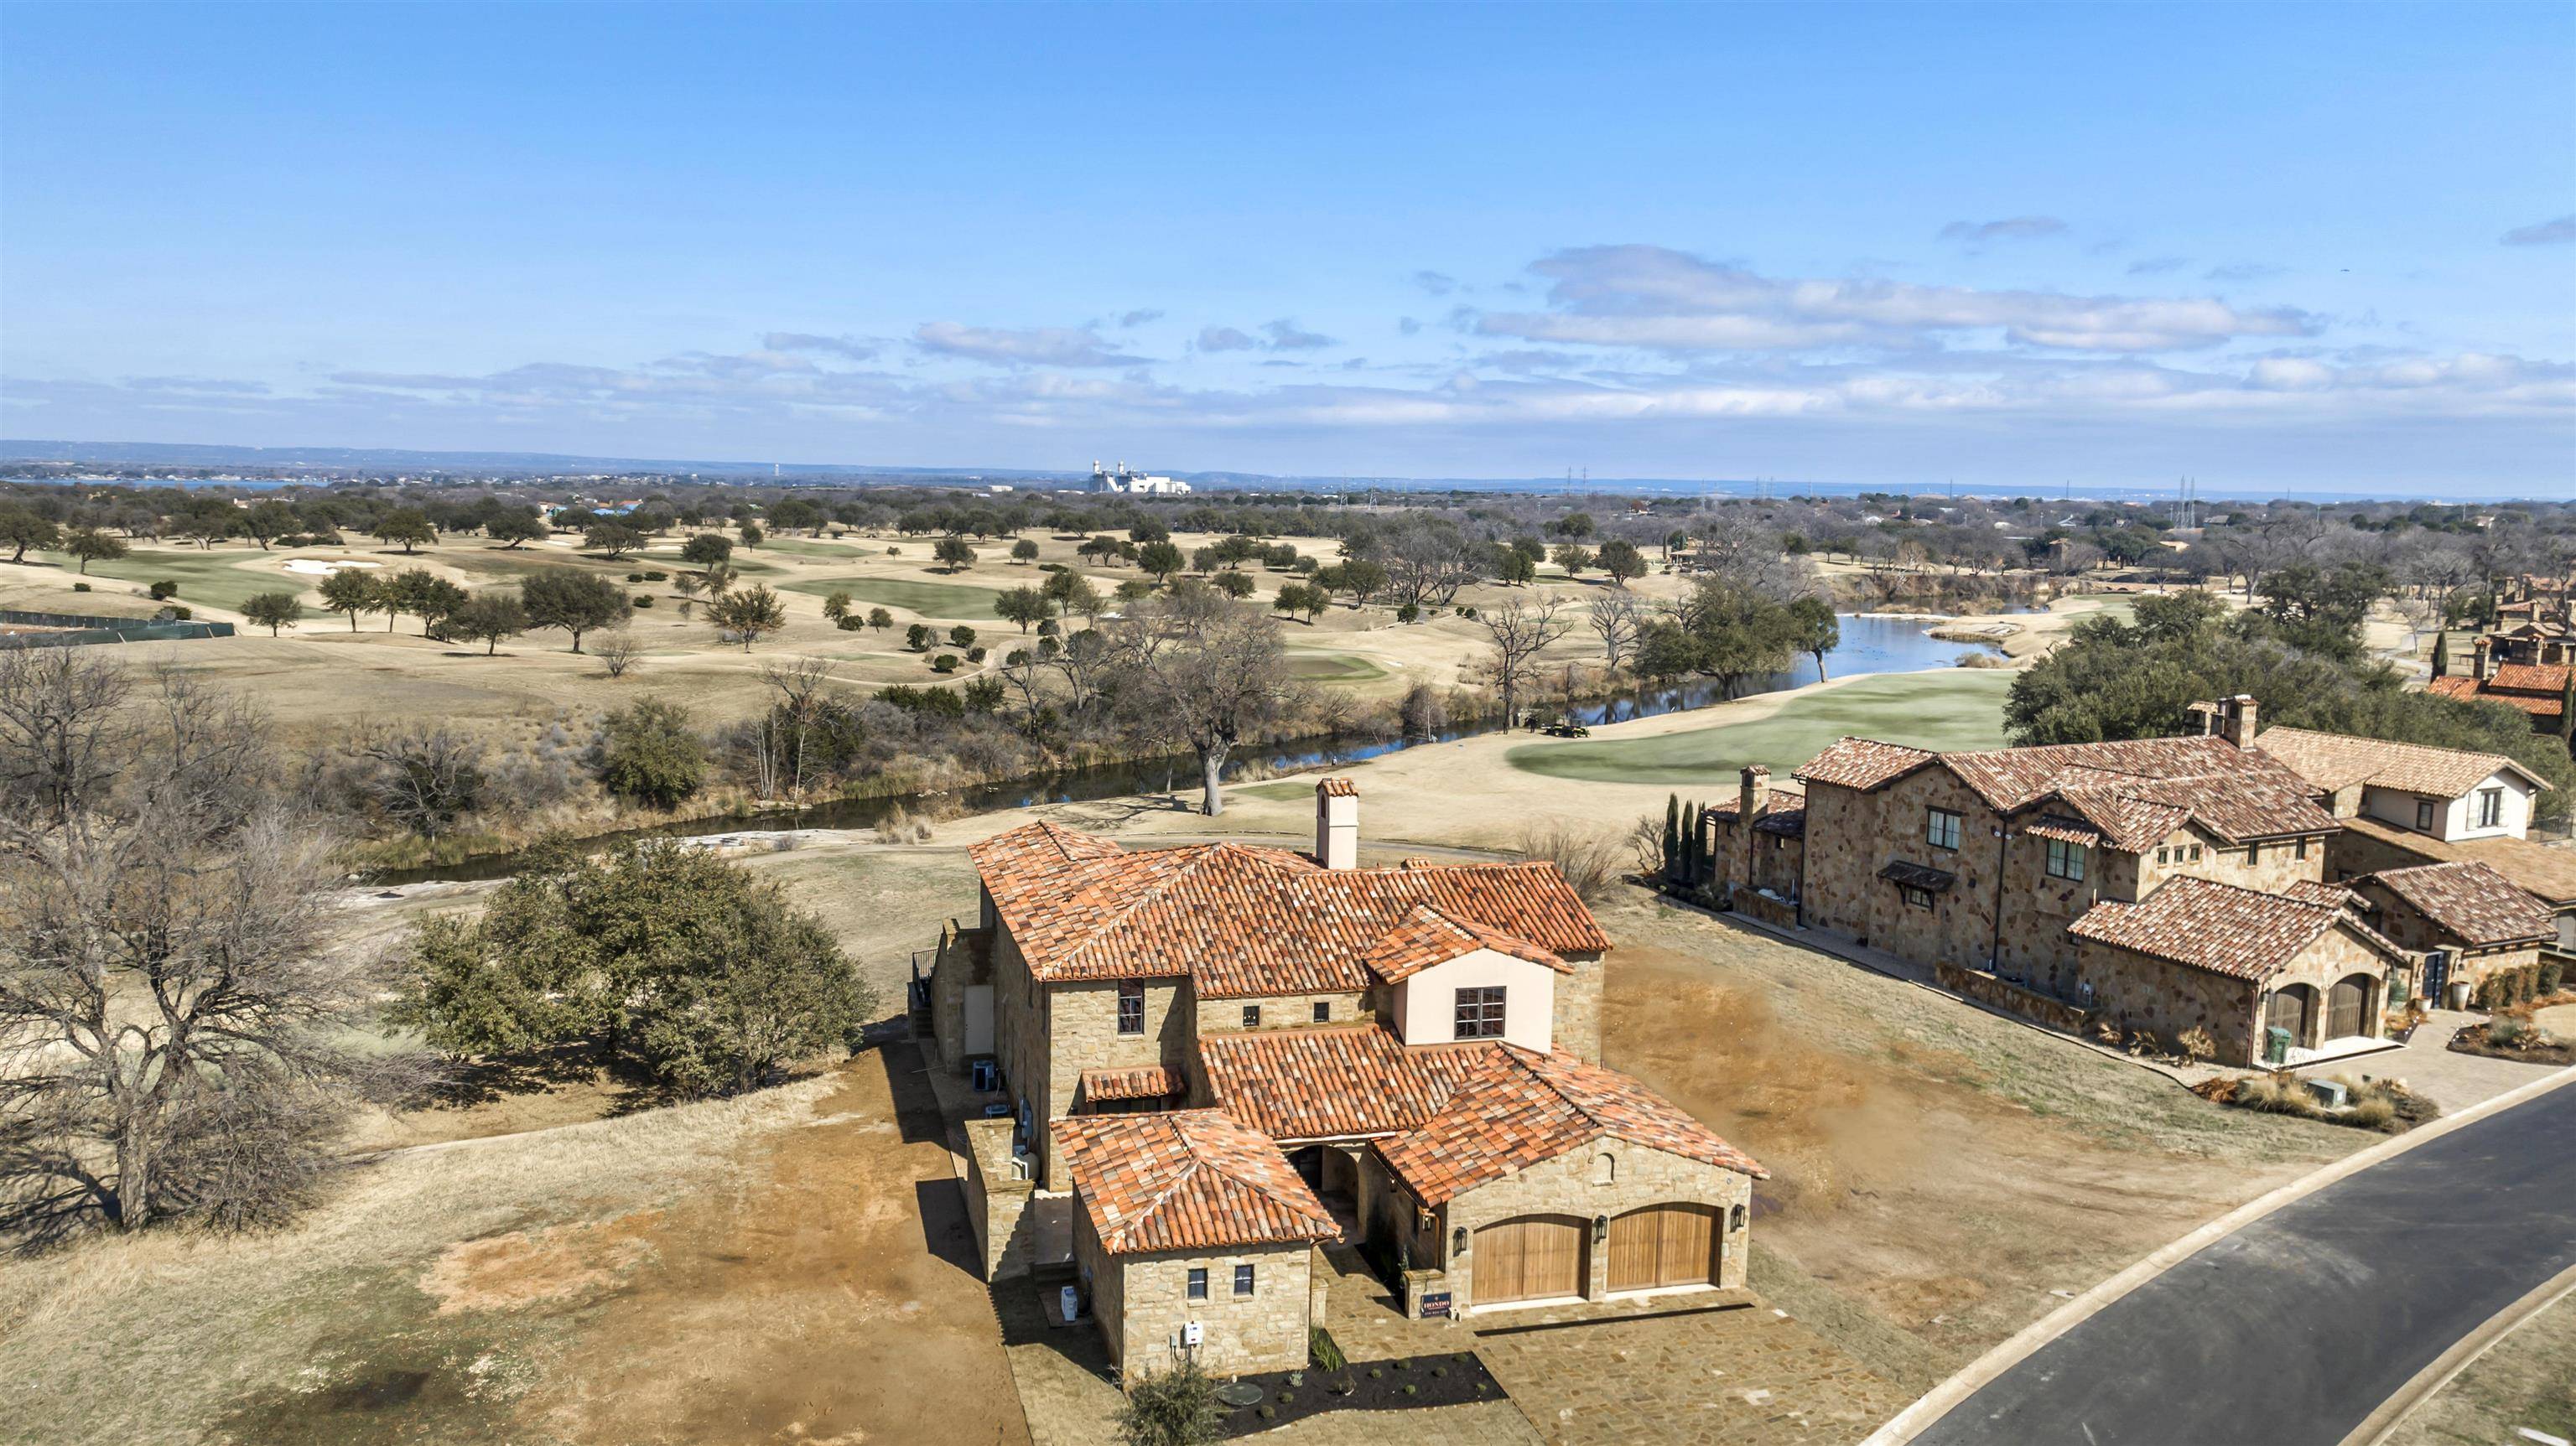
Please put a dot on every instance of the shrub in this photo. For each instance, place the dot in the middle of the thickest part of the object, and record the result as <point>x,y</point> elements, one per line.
<point>173,614</point>
<point>1326,1352</point>
<point>2553,972</point>
<point>643,599</point>
<point>944,663</point>
<point>161,590</point>
<point>634,577</point>
<point>852,622</point>
<point>2374,1113</point>
<point>1407,613</point>
<point>1411,1389</point>
<point>80,587</point>
<point>1589,860</point>
<point>1177,1407</point>
<point>2196,1045</point>
<point>651,755</point>
<point>657,577</point>
<point>2507,1033</point>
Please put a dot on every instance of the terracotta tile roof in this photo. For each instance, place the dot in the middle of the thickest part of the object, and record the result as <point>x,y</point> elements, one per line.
<point>2471,902</point>
<point>2546,679</point>
<point>2306,891</point>
<point>2065,831</point>
<point>1521,1108</point>
<point>2547,873</point>
<point>2334,761</point>
<point>1142,1082</point>
<point>2468,690</point>
<point>1786,816</point>
<point>2140,790</point>
<point>1428,936</point>
<point>1244,922</point>
<point>1188,1180</point>
<point>1862,763</point>
<point>1338,788</point>
<point>2241,933</point>
<point>1332,1082</point>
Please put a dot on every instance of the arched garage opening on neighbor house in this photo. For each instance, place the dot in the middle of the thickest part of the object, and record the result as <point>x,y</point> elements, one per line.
<point>2348,1007</point>
<point>1664,1245</point>
<point>2294,1007</point>
<point>1531,1257</point>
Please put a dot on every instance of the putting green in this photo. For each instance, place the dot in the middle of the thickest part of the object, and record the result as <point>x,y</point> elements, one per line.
<point>929,599</point>
<point>1333,668</point>
<point>1960,708</point>
<point>207,579</point>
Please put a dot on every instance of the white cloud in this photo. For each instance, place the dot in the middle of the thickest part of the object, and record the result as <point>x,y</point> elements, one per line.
<point>1286,335</point>
<point>1133,319</point>
<point>2557,231</point>
<point>1225,338</point>
<point>843,346</point>
<point>2011,228</point>
<point>1057,346</point>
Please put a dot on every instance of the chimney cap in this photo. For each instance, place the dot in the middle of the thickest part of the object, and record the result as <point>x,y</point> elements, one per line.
<point>1757,770</point>
<point>1337,787</point>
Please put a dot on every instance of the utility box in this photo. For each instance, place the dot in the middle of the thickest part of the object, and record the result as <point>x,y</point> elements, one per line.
<point>2276,1045</point>
<point>2329,1093</point>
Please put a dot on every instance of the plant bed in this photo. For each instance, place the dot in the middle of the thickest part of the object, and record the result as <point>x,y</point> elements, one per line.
<point>2515,1038</point>
<point>2384,1106</point>
<point>1450,1378</point>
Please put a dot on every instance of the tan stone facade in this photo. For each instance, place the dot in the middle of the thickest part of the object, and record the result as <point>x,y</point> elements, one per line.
<point>2140,992</point>
<point>1143,1306</point>
<point>1598,1182</point>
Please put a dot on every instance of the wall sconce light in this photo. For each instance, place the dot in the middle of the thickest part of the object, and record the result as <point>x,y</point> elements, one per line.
<point>1458,1241</point>
<point>1600,1228</point>
<point>1735,1218</point>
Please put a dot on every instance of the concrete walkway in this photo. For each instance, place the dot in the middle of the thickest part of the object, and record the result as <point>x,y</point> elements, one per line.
<point>2291,1330</point>
<point>2429,1067</point>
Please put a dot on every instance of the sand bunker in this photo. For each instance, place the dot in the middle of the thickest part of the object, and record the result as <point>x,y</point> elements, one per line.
<point>319,567</point>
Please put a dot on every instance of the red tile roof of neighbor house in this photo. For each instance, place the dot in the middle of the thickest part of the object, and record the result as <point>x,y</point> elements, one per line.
<point>2538,703</point>
<point>2334,761</point>
<point>1521,1108</point>
<point>1187,1180</point>
<point>1333,1082</point>
<point>1243,922</point>
<point>2472,902</point>
<point>2545,872</point>
<point>2241,933</point>
<point>1140,1082</point>
<point>2136,792</point>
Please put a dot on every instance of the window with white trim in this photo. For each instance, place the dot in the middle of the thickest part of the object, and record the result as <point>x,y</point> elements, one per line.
<point>2490,808</point>
<point>1480,1012</point>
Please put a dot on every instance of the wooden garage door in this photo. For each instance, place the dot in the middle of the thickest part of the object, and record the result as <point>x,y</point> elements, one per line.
<point>2348,1008</point>
<point>1664,1245</point>
<point>1529,1258</point>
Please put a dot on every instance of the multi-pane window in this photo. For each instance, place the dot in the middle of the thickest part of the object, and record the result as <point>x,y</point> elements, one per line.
<point>1198,1284</point>
<point>1941,828</point>
<point>1919,898</point>
<point>2424,815</point>
<point>1252,1016</point>
<point>1323,1011</point>
<point>2066,860</point>
<point>2195,853</point>
<point>1480,1012</point>
<point>1131,1008</point>
<point>2052,856</point>
<point>1243,1280</point>
<point>2490,807</point>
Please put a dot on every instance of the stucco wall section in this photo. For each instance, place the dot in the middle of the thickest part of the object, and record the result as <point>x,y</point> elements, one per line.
<point>1426,1004</point>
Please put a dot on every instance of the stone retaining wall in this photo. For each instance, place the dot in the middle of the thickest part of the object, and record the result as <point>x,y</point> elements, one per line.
<point>2011,998</point>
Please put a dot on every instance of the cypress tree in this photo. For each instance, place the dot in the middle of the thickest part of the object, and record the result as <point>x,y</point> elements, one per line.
<point>2442,654</point>
<point>2567,708</point>
<point>1690,842</point>
<point>1672,832</point>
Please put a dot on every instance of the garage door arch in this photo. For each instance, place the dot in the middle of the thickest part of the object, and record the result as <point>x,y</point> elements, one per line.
<point>1661,1246</point>
<point>1531,1257</point>
<point>2348,1006</point>
<point>2294,1007</point>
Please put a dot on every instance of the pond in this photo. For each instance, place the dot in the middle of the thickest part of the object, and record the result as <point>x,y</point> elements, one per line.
<point>1869,645</point>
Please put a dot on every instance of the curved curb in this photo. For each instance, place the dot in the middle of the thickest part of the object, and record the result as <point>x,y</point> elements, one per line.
<point>1905,1425</point>
<point>2418,1389</point>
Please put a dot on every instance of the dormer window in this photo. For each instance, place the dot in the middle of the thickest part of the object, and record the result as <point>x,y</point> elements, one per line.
<point>2490,808</point>
<point>1480,1012</point>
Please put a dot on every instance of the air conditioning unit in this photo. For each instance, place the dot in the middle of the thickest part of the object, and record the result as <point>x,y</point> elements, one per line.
<point>1023,1167</point>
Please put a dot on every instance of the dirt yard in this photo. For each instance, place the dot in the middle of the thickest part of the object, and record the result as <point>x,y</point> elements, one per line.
<point>788,1267</point>
<point>2526,1383</point>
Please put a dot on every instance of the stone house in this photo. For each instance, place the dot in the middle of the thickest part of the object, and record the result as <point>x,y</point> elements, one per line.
<point>2463,920</point>
<point>1982,864</point>
<point>2539,690</point>
<point>1151,1012</point>
<point>2450,794</point>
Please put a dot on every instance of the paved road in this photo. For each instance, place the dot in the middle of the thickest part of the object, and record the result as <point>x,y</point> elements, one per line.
<point>2290,1331</point>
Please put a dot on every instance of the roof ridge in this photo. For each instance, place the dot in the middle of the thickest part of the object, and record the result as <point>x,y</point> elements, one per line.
<point>1153,892</point>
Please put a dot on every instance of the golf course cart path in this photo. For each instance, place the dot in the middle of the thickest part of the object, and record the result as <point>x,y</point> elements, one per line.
<point>2293,1329</point>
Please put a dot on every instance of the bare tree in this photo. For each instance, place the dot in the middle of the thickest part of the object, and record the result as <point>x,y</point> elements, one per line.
<point>1518,634</point>
<point>617,650</point>
<point>789,725</point>
<point>1211,665</point>
<point>1588,858</point>
<point>173,1018</point>
<point>426,776</point>
<point>1616,617</point>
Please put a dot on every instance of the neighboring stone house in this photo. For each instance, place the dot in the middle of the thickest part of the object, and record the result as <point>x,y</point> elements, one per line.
<point>2464,919</point>
<point>1756,844</point>
<point>1151,1012</point>
<point>2548,874</point>
<point>1983,864</point>
<point>2451,794</point>
<point>2539,690</point>
<point>2233,962</point>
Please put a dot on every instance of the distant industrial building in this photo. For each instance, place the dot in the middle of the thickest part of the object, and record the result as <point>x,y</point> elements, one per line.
<point>1122,480</point>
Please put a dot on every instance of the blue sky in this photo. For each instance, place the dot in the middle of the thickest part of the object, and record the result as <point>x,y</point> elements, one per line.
<point>2308,246</point>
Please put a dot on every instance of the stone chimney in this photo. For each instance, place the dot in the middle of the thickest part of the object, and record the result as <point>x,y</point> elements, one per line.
<point>2482,660</point>
<point>2239,724</point>
<point>1337,823</point>
<point>1753,795</point>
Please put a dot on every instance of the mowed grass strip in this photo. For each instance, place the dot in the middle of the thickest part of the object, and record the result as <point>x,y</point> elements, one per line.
<point>928,599</point>
<point>210,579</point>
<point>1962,708</point>
<point>1334,668</point>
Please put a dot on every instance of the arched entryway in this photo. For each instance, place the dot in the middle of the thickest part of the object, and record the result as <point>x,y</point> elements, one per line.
<point>1531,1257</point>
<point>1664,1245</point>
<point>2294,1007</point>
<point>2348,1007</point>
